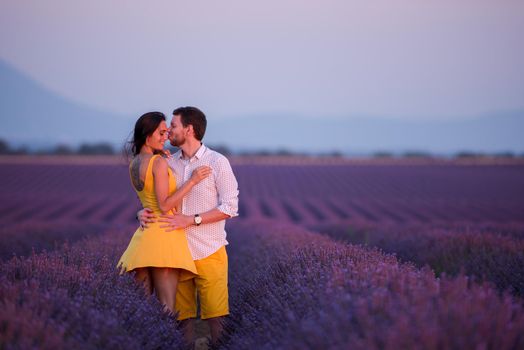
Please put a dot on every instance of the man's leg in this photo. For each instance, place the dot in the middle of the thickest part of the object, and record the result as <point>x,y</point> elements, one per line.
<point>187,307</point>
<point>188,330</point>
<point>212,286</point>
<point>216,325</point>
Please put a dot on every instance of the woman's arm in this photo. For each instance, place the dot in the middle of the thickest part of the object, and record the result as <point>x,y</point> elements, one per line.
<point>161,179</point>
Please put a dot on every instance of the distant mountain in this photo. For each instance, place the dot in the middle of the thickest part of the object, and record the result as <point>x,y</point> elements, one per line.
<point>31,114</point>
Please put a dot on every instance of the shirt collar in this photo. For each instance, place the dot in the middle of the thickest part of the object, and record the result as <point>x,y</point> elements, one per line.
<point>201,151</point>
<point>198,155</point>
<point>178,154</point>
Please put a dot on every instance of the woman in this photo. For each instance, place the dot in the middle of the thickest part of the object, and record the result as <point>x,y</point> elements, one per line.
<point>159,259</point>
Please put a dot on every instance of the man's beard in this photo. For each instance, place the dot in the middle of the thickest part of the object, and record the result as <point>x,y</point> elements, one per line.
<point>177,142</point>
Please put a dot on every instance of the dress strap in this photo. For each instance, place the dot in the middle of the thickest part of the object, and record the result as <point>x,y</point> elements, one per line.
<point>149,173</point>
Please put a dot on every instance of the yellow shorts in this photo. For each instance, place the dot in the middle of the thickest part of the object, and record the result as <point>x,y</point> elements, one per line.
<point>211,286</point>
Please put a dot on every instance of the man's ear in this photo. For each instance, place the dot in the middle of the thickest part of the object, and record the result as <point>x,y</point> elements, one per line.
<point>190,129</point>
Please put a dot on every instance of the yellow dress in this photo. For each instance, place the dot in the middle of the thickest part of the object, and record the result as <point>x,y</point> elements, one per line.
<point>153,246</point>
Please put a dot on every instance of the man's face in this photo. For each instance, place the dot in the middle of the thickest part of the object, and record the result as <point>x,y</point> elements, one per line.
<point>177,132</point>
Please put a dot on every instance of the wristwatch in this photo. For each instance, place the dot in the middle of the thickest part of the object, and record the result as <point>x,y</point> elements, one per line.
<point>197,219</point>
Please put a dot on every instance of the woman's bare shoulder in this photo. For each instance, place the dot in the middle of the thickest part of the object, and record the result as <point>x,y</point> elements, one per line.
<point>159,164</point>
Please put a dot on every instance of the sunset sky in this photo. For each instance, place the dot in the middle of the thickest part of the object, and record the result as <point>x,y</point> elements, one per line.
<point>403,59</point>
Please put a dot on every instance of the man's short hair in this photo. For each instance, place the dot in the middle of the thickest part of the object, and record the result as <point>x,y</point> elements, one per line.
<point>193,116</point>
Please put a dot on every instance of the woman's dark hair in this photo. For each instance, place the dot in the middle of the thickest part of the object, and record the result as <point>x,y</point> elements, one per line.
<point>145,126</point>
<point>193,116</point>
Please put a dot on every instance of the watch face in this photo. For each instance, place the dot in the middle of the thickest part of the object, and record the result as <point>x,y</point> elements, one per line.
<point>198,220</point>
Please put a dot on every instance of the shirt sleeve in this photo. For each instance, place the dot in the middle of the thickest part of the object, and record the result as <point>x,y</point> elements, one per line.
<point>227,187</point>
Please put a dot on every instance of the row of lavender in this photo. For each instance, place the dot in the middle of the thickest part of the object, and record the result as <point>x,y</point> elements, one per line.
<point>121,208</point>
<point>113,208</point>
<point>289,288</point>
<point>301,194</point>
<point>22,239</point>
<point>312,210</point>
<point>480,252</point>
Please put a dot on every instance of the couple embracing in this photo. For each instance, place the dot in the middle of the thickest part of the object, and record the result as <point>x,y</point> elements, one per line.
<point>179,250</point>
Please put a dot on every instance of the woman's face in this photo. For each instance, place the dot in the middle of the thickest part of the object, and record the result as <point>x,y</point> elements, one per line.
<point>157,140</point>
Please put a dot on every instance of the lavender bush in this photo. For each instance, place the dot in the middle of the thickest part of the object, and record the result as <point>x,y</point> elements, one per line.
<point>314,293</point>
<point>75,298</point>
<point>27,237</point>
<point>487,256</point>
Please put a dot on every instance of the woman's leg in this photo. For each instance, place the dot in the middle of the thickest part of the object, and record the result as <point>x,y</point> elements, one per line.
<point>143,277</point>
<point>165,281</point>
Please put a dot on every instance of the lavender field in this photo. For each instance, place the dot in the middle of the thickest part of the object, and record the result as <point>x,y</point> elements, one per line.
<point>325,255</point>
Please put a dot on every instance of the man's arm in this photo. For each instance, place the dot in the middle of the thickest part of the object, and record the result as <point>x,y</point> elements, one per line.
<point>145,216</point>
<point>227,188</point>
<point>178,221</point>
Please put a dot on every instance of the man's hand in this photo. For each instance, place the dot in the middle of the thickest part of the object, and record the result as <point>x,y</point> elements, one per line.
<point>145,216</point>
<point>176,221</point>
<point>167,153</point>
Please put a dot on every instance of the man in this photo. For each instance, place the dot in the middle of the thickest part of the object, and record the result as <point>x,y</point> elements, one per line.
<point>202,215</point>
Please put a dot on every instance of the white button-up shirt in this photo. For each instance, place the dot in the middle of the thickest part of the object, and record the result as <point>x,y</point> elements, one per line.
<point>219,190</point>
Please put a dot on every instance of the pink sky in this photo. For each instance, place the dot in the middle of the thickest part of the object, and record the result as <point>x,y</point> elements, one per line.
<point>404,59</point>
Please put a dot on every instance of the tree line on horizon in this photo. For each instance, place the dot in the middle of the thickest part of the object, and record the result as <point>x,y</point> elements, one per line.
<point>105,148</point>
